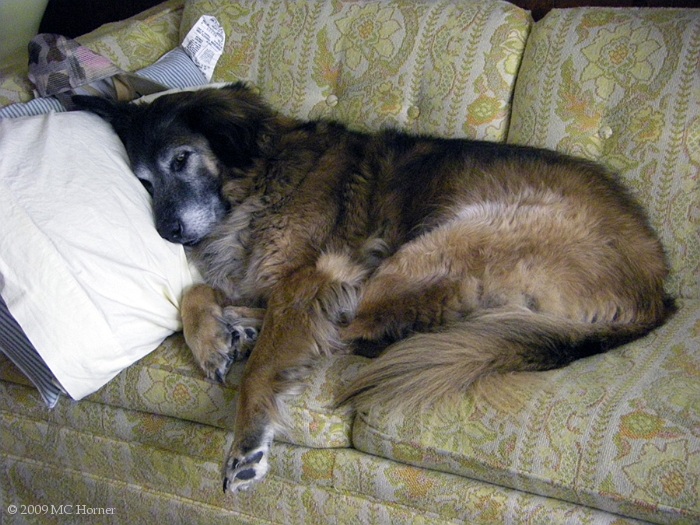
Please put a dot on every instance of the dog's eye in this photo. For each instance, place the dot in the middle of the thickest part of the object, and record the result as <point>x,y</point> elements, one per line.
<point>180,160</point>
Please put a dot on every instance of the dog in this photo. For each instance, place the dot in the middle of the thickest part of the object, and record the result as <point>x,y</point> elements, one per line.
<point>446,259</point>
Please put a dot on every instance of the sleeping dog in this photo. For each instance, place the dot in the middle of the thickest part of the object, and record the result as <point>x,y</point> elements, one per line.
<point>446,259</point>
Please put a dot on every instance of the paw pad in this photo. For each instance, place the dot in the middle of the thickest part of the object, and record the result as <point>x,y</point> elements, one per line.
<point>241,473</point>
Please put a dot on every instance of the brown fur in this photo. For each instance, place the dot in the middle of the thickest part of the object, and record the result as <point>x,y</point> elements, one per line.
<point>461,258</point>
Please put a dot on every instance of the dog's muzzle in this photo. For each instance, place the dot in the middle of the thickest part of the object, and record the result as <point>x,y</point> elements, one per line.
<point>189,224</point>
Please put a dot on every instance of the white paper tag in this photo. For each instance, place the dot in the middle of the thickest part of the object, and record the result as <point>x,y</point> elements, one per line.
<point>205,43</point>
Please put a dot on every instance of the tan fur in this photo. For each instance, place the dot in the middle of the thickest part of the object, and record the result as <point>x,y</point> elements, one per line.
<point>206,317</point>
<point>454,260</point>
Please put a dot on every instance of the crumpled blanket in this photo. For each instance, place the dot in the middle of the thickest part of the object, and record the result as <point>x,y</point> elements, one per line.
<point>60,66</point>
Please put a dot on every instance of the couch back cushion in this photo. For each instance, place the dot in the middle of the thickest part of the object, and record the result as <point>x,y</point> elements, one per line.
<point>445,67</point>
<point>622,86</point>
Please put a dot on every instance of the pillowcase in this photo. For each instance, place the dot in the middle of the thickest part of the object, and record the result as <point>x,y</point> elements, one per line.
<point>82,268</point>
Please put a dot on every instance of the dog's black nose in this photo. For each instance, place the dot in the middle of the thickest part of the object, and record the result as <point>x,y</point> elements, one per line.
<point>172,231</point>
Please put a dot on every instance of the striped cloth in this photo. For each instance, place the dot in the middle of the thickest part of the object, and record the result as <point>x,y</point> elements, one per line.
<point>175,70</point>
<point>15,345</point>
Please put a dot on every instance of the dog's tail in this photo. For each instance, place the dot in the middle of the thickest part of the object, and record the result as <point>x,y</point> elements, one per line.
<point>423,368</point>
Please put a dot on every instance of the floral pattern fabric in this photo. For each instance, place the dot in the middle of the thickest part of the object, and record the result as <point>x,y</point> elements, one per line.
<point>617,432</point>
<point>622,87</point>
<point>443,67</point>
<point>609,439</point>
<point>160,469</point>
<point>168,382</point>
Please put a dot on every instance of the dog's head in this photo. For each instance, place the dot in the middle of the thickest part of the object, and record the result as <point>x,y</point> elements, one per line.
<point>182,146</point>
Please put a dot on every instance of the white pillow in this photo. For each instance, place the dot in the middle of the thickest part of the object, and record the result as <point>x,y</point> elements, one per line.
<point>82,268</point>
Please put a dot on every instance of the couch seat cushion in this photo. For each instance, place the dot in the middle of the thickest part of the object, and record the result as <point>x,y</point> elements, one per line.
<point>618,432</point>
<point>170,470</point>
<point>168,382</point>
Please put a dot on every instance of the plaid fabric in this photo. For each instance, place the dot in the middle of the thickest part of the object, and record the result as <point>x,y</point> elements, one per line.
<point>60,66</point>
<point>174,70</point>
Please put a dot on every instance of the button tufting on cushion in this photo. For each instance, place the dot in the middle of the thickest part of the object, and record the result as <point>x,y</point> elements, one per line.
<point>413,112</point>
<point>332,100</point>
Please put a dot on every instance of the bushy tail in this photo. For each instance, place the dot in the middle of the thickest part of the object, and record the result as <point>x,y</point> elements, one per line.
<point>423,368</point>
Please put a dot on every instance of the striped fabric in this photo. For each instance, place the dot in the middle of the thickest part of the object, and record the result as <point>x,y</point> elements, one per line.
<point>14,344</point>
<point>38,106</point>
<point>175,70</point>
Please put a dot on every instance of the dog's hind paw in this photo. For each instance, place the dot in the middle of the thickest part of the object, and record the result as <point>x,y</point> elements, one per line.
<point>242,471</point>
<point>243,340</point>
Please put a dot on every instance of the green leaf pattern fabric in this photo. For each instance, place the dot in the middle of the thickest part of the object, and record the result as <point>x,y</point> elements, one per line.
<point>444,67</point>
<point>610,439</point>
<point>622,87</point>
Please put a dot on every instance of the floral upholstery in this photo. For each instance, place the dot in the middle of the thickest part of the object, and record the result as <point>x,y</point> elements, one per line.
<point>432,67</point>
<point>610,439</point>
<point>621,86</point>
<point>146,465</point>
<point>169,383</point>
<point>601,432</point>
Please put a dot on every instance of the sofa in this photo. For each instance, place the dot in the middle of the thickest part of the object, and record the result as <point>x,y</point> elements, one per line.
<point>614,438</point>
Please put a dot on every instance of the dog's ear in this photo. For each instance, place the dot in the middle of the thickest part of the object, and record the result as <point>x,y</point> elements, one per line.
<point>232,119</point>
<point>118,114</point>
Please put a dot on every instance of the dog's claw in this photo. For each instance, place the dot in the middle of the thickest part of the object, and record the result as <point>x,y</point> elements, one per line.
<point>242,341</point>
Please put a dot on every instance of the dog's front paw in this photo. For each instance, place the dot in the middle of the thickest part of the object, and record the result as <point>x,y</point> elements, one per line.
<point>241,471</point>
<point>219,341</point>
